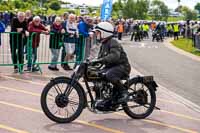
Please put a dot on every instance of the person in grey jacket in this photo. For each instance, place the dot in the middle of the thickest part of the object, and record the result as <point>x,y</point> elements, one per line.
<point>113,57</point>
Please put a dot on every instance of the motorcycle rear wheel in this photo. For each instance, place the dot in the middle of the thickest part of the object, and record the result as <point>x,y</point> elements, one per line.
<point>141,101</point>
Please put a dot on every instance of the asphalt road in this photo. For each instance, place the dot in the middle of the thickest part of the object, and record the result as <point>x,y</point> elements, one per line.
<point>176,72</point>
<point>21,112</point>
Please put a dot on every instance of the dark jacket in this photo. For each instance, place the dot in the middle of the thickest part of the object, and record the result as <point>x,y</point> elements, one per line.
<point>55,36</point>
<point>136,28</point>
<point>17,38</point>
<point>112,54</point>
<point>16,24</point>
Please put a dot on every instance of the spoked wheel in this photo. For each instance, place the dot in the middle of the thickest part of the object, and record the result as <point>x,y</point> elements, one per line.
<point>142,101</point>
<point>59,106</point>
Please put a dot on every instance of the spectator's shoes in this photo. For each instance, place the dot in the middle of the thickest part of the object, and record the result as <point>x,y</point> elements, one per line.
<point>53,68</point>
<point>28,69</point>
<point>16,70</point>
<point>35,69</point>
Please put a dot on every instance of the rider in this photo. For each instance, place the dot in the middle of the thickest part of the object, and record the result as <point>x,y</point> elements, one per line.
<point>114,58</point>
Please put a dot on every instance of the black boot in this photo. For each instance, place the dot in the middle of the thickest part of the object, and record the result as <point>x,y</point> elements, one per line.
<point>122,93</point>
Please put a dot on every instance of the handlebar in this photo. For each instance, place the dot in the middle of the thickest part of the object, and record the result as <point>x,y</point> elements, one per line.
<point>89,63</point>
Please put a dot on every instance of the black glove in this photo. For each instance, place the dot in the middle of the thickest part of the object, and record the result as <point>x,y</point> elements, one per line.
<point>98,61</point>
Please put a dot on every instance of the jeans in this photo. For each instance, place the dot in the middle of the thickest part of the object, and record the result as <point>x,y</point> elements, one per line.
<point>55,55</point>
<point>119,36</point>
<point>32,60</point>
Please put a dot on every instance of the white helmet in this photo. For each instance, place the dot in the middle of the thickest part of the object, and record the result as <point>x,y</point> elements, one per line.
<point>105,28</point>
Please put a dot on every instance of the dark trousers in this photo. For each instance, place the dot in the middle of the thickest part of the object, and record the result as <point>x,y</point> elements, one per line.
<point>146,34</point>
<point>133,34</point>
<point>17,52</point>
<point>175,35</point>
<point>80,48</point>
<point>115,74</point>
<point>63,54</point>
<point>119,36</point>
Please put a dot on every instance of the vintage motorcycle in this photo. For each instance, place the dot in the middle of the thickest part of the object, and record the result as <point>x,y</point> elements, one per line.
<point>158,36</point>
<point>63,98</point>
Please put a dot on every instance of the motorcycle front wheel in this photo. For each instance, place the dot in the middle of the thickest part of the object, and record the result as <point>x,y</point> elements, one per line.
<point>62,107</point>
<point>142,100</point>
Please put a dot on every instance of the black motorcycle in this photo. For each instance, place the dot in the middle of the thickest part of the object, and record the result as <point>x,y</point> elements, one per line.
<point>63,99</point>
<point>158,36</point>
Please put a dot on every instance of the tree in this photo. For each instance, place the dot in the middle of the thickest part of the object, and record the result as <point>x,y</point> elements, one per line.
<point>55,5</point>
<point>188,13</point>
<point>159,11</point>
<point>117,7</point>
<point>178,9</point>
<point>90,9</point>
<point>136,9</point>
<point>197,7</point>
<point>17,4</point>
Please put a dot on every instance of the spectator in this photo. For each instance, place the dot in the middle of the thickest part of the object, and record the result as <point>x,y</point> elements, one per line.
<point>2,28</point>
<point>194,29</point>
<point>120,30</point>
<point>136,32</point>
<point>169,30</point>
<point>55,39</point>
<point>6,18</point>
<point>28,19</point>
<point>198,30</point>
<point>83,29</point>
<point>29,16</point>
<point>16,40</point>
<point>146,30</point>
<point>88,46</point>
<point>38,28</point>
<point>176,31</point>
<point>70,41</point>
<point>64,25</point>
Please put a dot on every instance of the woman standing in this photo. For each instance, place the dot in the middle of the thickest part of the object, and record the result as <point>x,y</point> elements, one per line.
<point>55,43</point>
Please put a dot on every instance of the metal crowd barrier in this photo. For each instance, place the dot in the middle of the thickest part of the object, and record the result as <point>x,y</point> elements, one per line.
<point>12,49</point>
<point>17,50</point>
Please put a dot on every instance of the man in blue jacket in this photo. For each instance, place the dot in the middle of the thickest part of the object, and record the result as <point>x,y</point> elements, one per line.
<point>83,28</point>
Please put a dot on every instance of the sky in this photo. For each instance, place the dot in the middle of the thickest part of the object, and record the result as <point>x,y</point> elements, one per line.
<point>172,4</point>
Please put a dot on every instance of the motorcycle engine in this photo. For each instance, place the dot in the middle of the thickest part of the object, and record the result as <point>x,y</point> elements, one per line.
<point>103,90</point>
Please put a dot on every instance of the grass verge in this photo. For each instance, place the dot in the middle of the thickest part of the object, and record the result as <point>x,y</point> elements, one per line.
<point>186,45</point>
